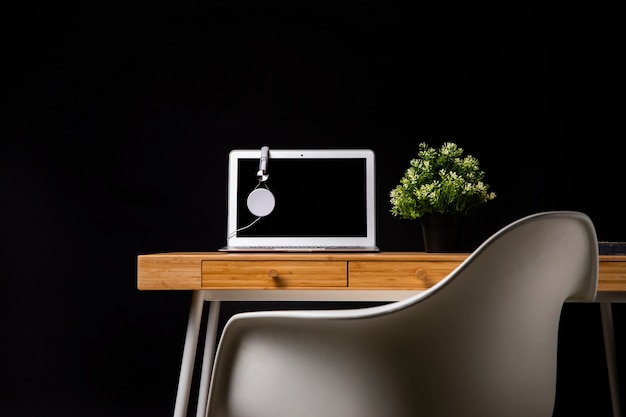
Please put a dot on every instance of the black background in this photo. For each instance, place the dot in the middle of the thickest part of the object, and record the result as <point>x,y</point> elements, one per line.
<point>117,119</point>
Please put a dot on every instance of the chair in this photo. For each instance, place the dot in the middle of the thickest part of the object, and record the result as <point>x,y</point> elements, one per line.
<point>480,343</point>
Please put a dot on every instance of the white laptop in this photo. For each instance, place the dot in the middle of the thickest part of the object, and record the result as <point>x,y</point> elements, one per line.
<point>304,200</point>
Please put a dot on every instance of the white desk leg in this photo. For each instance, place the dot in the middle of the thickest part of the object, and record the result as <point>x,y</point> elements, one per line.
<point>208,357</point>
<point>189,354</point>
<point>609,349</point>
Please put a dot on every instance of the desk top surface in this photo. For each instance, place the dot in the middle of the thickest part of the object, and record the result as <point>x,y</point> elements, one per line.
<point>279,255</point>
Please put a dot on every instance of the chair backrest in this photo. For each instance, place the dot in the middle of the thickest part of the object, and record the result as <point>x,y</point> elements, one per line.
<point>482,342</point>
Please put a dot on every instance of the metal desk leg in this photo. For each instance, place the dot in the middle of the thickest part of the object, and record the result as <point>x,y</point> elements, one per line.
<point>189,354</point>
<point>208,357</point>
<point>609,349</point>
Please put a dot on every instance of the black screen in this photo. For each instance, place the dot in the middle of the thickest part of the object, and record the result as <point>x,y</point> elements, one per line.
<point>314,198</point>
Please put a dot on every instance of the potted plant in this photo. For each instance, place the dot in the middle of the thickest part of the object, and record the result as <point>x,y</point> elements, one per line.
<point>440,186</point>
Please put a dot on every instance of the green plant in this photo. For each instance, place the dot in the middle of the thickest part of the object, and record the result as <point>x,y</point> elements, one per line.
<point>440,181</point>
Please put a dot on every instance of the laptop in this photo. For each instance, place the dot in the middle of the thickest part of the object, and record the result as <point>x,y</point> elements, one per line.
<point>301,200</point>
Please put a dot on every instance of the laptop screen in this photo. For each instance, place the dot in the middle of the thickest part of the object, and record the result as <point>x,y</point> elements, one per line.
<point>314,198</point>
<point>322,198</point>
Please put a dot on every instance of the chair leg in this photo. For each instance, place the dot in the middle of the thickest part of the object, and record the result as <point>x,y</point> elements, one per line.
<point>609,349</point>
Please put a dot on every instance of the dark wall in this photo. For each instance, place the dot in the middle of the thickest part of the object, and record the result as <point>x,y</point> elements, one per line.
<point>117,122</point>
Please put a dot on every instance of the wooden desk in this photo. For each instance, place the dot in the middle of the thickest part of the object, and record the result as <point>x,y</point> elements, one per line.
<point>384,276</point>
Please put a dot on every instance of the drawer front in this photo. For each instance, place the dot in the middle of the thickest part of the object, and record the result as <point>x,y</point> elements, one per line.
<point>612,276</point>
<point>274,274</point>
<point>398,274</point>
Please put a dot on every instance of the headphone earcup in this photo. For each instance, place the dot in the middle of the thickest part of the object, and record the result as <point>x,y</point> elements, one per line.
<point>261,202</point>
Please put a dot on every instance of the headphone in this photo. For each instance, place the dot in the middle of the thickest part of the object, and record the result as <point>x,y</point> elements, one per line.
<point>261,201</point>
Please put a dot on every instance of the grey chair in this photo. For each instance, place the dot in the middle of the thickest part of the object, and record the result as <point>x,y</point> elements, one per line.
<point>480,343</point>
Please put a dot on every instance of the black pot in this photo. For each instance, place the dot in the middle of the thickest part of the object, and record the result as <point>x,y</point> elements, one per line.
<point>441,232</point>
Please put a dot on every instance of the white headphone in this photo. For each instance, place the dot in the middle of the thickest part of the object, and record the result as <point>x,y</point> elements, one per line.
<point>261,201</point>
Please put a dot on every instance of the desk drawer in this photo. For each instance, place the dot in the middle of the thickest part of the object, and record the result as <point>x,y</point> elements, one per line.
<point>398,274</point>
<point>274,274</point>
